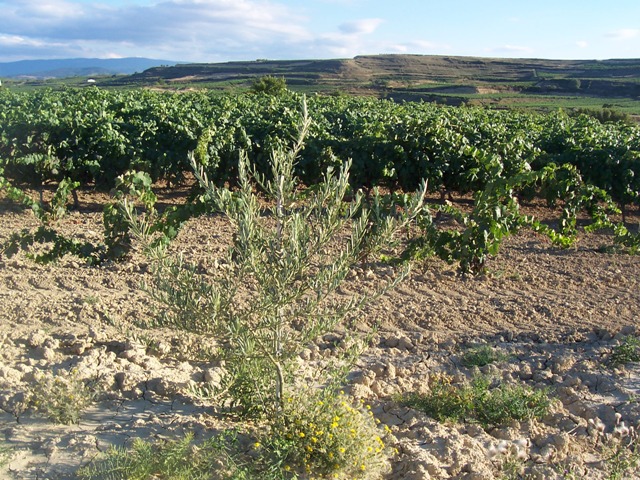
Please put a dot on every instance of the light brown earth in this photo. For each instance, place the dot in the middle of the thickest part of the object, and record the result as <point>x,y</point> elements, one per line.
<point>557,314</point>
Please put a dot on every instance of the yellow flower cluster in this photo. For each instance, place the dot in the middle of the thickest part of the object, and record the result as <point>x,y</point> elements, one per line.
<point>329,436</point>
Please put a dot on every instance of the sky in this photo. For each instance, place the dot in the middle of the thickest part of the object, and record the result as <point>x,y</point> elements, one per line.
<point>228,30</point>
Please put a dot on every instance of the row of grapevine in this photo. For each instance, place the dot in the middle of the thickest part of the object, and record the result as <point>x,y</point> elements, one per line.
<point>93,136</point>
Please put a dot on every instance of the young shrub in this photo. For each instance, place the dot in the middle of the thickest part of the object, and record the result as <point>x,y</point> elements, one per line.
<point>270,85</point>
<point>292,250</point>
<point>324,434</point>
<point>61,398</point>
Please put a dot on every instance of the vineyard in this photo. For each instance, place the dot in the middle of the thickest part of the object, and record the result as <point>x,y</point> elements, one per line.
<point>92,138</point>
<point>271,232</point>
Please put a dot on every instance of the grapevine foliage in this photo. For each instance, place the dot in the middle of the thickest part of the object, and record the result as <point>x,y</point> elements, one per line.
<point>94,138</point>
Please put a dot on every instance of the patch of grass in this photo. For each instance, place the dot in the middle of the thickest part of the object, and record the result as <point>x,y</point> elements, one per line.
<point>481,356</point>
<point>479,402</point>
<point>627,351</point>
<point>444,400</point>
<point>508,402</point>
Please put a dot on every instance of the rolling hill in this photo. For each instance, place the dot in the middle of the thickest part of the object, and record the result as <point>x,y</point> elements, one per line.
<point>78,67</point>
<point>418,75</point>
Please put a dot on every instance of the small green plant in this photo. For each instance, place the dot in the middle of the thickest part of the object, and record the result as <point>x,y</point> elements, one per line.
<point>625,352</point>
<point>91,300</point>
<point>6,453</point>
<point>61,398</point>
<point>507,402</point>
<point>479,402</point>
<point>623,463</point>
<point>444,400</point>
<point>325,434</point>
<point>621,454</point>
<point>481,356</point>
<point>512,467</point>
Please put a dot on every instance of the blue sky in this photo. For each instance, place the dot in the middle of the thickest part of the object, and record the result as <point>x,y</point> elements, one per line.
<point>225,30</point>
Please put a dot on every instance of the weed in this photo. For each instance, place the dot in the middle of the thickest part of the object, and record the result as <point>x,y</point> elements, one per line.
<point>625,352</point>
<point>481,356</point>
<point>478,401</point>
<point>512,467</point>
<point>444,400</point>
<point>623,463</point>
<point>61,398</point>
<point>507,402</point>
<point>91,300</point>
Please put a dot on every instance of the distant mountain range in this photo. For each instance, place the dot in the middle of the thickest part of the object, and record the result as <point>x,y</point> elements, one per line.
<point>78,67</point>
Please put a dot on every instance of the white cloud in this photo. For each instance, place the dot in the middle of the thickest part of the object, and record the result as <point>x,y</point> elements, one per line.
<point>416,46</point>
<point>624,34</point>
<point>16,47</point>
<point>348,41</point>
<point>12,40</point>
<point>582,44</point>
<point>364,26</point>
<point>45,9</point>
<point>399,49</point>
<point>199,30</point>
<point>426,45</point>
<point>514,49</point>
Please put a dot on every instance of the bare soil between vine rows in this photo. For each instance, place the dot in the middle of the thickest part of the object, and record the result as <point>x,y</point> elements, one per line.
<point>557,314</point>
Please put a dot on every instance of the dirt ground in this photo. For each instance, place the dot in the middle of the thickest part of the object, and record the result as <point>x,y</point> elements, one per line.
<point>556,314</point>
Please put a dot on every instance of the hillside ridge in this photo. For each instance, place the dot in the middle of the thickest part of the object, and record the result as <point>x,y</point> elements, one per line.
<point>412,77</point>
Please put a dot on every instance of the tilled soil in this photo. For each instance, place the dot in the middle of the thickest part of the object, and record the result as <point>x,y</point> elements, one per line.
<point>556,315</point>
